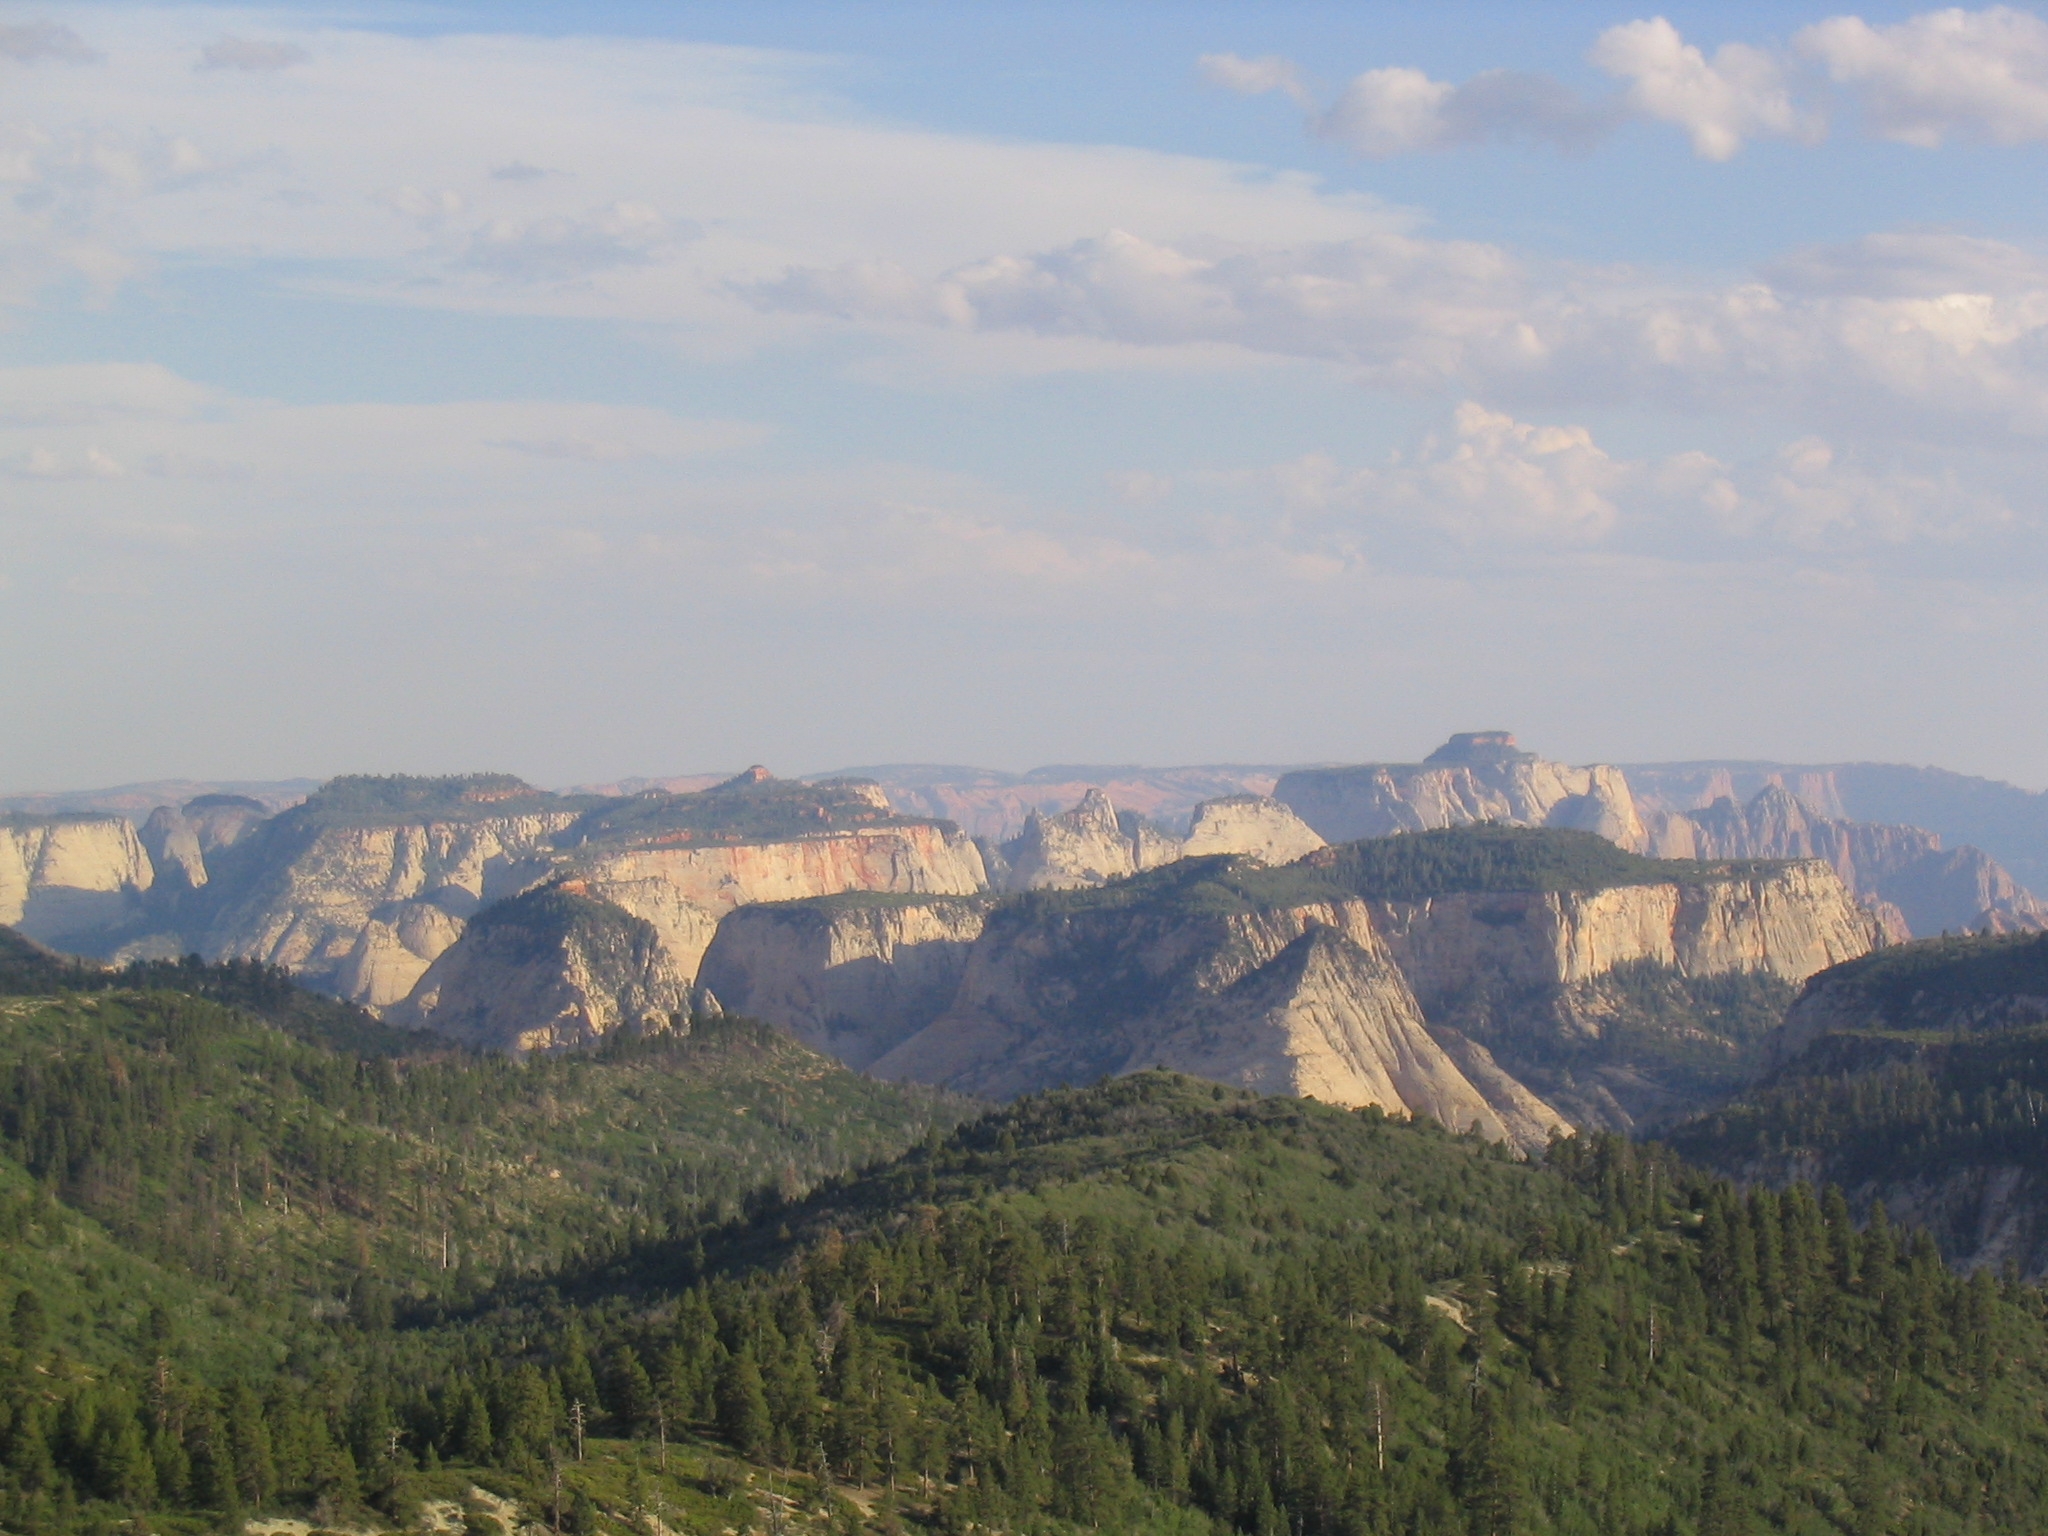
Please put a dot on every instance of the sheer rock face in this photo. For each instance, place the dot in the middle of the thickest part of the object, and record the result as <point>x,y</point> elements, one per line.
<point>64,879</point>
<point>1255,825</point>
<point>685,891</point>
<point>850,980</point>
<point>1292,1000</point>
<point>1459,786</point>
<point>1789,923</point>
<point>550,970</point>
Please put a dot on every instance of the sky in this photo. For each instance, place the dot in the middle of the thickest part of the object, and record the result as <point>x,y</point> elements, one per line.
<point>606,389</point>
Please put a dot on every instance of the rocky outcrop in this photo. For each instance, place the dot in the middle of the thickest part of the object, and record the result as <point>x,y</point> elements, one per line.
<point>66,880</point>
<point>550,970</point>
<point>1257,826</point>
<point>1300,999</point>
<point>849,976</point>
<point>1475,777</point>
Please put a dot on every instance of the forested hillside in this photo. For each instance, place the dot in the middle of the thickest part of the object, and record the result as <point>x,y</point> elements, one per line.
<point>672,1300</point>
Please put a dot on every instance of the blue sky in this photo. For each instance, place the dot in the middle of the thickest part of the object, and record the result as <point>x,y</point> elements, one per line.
<point>600,390</point>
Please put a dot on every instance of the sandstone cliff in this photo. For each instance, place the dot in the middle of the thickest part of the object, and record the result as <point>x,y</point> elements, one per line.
<point>1476,777</point>
<point>1081,847</point>
<point>1299,998</point>
<point>1788,921</point>
<point>849,976</point>
<point>66,880</point>
<point>179,838</point>
<point>1900,867</point>
<point>685,891</point>
<point>993,805</point>
<point>360,889</point>
<point>1256,825</point>
<point>549,970</point>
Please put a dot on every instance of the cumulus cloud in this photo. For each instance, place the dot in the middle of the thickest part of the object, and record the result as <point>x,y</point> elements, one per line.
<point>30,42</point>
<point>251,55</point>
<point>1922,81</point>
<point>1495,487</point>
<point>1953,72</point>
<point>1741,93</point>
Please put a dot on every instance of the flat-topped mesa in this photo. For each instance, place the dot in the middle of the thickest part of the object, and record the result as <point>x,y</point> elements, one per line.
<point>1474,777</point>
<point>68,878</point>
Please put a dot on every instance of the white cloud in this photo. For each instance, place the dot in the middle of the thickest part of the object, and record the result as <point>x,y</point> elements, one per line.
<point>1941,74</point>
<point>251,55</point>
<point>1256,77</point>
<point>1740,93</point>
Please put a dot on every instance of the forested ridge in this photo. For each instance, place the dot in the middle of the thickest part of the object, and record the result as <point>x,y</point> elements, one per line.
<point>1151,1305</point>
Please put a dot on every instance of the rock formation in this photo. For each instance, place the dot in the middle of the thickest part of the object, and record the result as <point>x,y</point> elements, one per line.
<point>1691,812</point>
<point>851,976</point>
<point>66,879</point>
<point>1474,777</point>
<point>1081,847</point>
<point>549,970</point>
<point>180,838</point>
<point>1256,825</point>
<point>1903,868</point>
<point>1299,999</point>
<point>1789,922</point>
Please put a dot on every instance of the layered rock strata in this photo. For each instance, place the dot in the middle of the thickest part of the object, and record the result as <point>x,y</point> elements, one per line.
<point>1255,825</point>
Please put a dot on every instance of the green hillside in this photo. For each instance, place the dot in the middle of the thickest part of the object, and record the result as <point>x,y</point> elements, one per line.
<point>1929,1089</point>
<point>682,1296</point>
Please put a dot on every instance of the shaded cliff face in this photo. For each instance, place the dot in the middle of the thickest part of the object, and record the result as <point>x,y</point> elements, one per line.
<point>850,976</point>
<point>65,880</point>
<point>1296,999</point>
<point>549,970</point>
<point>179,838</point>
<point>363,910</point>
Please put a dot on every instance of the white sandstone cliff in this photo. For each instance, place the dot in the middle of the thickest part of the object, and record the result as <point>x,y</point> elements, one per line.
<point>66,879</point>
<point>851,978</point>
<point>1255,825</point>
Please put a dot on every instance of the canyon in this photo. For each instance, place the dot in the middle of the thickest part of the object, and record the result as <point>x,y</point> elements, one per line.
<point>1231,924</point>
